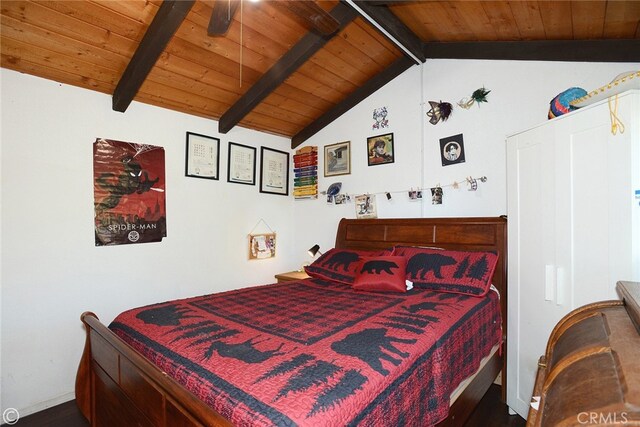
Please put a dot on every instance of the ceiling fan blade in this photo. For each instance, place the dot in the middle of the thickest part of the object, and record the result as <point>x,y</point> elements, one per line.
<point>315,17</point>
<point>221,17</point>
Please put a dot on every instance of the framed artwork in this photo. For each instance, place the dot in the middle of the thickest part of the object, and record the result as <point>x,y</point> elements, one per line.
<point>337,159</point>
<point>452,150</point>
<point>241,165</point>
<point>203,156</point>
<point>262,246</point>
<point>380,149</point>
<point>274,171</point>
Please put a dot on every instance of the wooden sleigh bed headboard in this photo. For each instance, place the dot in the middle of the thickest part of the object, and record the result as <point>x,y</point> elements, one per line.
<point>117,384</point>
<point>470,234</point>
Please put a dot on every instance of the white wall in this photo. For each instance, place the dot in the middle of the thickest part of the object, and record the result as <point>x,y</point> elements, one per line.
<point>519,98</point>
<point>51,270</point>
<point>315,220</point>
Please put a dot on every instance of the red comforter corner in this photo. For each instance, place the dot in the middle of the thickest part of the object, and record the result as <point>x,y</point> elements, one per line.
<point>318,353</point>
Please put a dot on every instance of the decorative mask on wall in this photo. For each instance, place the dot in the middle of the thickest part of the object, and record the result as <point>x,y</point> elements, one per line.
<point>478,96</point>
<point>439,111</point>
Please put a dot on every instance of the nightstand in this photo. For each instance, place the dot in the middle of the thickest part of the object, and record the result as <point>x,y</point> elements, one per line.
<point>291,275</point>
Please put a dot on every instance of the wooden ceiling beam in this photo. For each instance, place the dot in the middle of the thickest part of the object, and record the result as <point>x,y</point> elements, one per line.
<point>612,50</point>
<point>314,17</point>
<point>164,25</point>
<point>396,68</point>
<point>394,29</point>
<point>221,17</point>
<point>281,70</point>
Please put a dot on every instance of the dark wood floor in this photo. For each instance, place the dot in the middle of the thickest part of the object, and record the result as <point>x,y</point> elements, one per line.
<point>491,412</point>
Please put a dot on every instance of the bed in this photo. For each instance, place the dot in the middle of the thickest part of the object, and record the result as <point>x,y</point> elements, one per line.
<point>118,385</point>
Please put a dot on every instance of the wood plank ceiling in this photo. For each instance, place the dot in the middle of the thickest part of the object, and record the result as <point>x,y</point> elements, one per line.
<point>272,71</point>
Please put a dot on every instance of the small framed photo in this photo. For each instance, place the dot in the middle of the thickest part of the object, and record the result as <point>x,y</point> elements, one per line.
<point>241,166</point>
<point>274,171</point>
<point>366,206</point>
<point>380,149</point>
<point>452,150</point>
<point>337,159</point>
<point>203,156</point>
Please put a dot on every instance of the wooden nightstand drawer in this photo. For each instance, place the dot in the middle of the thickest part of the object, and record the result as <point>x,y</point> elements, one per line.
<point>291,275</point>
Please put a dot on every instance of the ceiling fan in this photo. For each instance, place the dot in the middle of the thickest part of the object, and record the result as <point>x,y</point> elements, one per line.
<point>307,12</point>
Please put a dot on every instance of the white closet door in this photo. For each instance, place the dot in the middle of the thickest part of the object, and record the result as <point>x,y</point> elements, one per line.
<point>533,273</point>
<point>593,190</point>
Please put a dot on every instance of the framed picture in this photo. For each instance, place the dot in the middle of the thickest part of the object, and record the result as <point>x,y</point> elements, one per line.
<point>241,165</point>
<point>274,171</point>
<point>380,149</point>
<point>262,246</point>
<point>337,159</point>
<point>452,150</point>
<point>203,156</point>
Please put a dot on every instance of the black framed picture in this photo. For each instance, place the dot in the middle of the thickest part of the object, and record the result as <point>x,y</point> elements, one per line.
<point>380,149</point>
<point>274,171</point>
<point>241,165</point>
<point>452,150</point>
<point>203,156</point>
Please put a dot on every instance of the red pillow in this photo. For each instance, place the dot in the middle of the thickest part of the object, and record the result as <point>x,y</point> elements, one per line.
<point>460,272</point>
<point>383,273</point>
<point>340,265</point>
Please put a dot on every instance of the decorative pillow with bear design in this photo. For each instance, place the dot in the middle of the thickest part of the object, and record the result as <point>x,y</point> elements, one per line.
<point>383,273</point>
<point>462,272</point>
<point>340,265</point>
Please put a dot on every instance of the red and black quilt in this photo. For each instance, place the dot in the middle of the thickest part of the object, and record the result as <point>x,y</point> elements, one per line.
<point>317,352</point>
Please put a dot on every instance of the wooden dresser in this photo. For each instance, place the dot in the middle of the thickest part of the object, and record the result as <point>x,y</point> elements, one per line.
<point>590,373</point>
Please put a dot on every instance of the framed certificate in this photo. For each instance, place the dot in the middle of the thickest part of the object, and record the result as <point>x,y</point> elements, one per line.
<point>241,164</point>
<point>203,156</point>
<point>274,171</point>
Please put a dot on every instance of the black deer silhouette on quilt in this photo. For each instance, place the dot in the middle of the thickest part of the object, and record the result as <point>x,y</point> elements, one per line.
<point>244,351</point>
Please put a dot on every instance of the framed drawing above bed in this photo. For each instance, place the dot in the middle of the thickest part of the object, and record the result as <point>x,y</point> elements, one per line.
<point>274,171</point>
<point>241,164</point>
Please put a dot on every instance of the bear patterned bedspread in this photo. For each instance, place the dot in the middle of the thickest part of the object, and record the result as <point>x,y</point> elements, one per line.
<point>318,353</point>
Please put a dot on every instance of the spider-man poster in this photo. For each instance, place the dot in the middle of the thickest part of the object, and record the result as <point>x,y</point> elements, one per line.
<point>129,192</point>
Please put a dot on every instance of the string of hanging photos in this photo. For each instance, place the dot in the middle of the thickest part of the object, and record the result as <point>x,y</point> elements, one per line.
<point>335,196</point>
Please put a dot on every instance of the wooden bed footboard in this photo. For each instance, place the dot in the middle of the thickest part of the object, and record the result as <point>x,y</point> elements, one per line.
<point>115,385</point>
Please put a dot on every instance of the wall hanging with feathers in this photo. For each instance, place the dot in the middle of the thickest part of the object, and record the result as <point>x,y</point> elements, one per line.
<point>478,96</point>
<point>439,111</point>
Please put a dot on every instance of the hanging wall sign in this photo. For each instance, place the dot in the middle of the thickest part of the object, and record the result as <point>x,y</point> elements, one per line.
<point>262,246</point>
<point>129,197</point>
